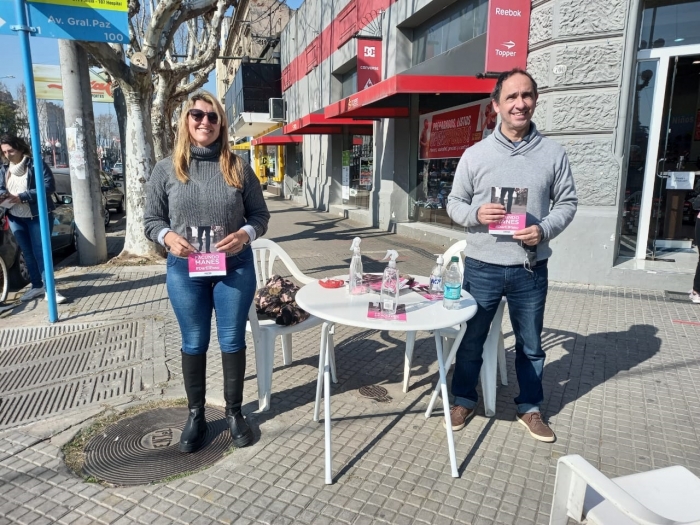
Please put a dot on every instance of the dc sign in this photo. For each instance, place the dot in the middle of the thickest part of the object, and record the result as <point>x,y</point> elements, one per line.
<point>87,20</point>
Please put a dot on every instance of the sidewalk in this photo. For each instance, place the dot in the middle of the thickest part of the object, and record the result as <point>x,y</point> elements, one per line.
<point>622,388</point>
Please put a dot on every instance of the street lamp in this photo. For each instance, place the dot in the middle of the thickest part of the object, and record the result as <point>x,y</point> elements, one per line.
<point>53,143</point>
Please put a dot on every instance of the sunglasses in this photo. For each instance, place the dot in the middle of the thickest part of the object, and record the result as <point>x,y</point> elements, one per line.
<point>198,115</point>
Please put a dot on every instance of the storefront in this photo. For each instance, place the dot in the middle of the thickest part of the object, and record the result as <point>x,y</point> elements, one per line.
<point>277,163</point>
<point>619,89</point>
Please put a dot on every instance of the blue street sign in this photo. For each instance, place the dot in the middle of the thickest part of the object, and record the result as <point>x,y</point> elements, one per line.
<point>7,17</point>
<point>79,23</point>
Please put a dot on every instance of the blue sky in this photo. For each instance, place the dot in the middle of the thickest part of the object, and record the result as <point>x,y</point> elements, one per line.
<point>45,51</point>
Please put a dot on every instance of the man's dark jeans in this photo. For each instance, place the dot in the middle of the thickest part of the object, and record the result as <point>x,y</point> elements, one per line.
<point>526,292</point>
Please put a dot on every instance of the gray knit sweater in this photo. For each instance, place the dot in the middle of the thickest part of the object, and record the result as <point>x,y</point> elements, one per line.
<point>538,164</point>
<point>205,199</point>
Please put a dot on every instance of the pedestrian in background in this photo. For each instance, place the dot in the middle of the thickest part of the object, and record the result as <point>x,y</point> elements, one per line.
<point>203,182</point>
<point>516,155</point>
<point>695,292</point>
<point>18,194</point>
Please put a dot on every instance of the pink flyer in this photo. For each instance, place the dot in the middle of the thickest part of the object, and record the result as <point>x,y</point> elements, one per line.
<point>514,200</point>
<point>207,264</point>
<point>374,311</point>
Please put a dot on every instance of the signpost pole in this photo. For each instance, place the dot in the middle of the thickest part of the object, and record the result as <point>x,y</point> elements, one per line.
<point>23,29</point>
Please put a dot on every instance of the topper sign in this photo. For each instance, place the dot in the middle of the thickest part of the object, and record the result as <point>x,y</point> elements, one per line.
<point>507,35</point>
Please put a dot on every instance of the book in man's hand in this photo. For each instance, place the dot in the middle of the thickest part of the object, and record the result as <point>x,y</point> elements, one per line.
<point>514,200</point>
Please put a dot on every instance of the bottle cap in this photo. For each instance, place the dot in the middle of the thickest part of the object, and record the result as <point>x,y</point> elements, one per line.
<point>454,259</point>
<point>440,260</point>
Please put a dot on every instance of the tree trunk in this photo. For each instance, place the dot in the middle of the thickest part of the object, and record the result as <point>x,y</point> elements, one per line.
<point>137,169</point>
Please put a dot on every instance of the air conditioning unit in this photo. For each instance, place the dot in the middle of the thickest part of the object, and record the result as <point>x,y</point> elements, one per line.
<point>278,110</point>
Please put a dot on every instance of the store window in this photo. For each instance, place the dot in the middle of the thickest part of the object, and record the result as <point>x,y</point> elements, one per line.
<point>295,169</point>
<point>452,27</point>
<point>358,172</point>
<point>444,135</point>
<point>668,23</point>
<point>349,83</point>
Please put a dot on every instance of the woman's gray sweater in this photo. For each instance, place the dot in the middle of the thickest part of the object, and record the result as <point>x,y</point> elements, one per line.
<point>205,200</point>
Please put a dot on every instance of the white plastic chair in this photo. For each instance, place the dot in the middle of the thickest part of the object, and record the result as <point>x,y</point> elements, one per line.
<point>494,349</point>
<point>665,496</point>
<point>265,331</point>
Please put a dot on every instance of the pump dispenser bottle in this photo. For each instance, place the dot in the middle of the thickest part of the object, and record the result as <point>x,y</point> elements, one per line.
<point>390,284</point>
<point>355,281</point>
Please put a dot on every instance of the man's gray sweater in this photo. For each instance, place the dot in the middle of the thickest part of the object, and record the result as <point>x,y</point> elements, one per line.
<point>538,164</point>
<point>205,200</point>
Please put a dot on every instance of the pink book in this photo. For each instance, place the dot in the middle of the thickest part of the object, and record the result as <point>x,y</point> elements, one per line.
<point>424,291</point>
<point>514,200</point>
<point>207,264</point>
<point>374,311</point>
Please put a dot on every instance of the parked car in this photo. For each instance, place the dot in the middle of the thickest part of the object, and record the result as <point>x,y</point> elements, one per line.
<point>63,187</point>
<point>118,170</point>
<point>63,236</point>
<point>111,191</point>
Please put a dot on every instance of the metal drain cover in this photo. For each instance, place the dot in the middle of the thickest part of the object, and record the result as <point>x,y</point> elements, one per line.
<point>374,392</point>
<point>144,448</point>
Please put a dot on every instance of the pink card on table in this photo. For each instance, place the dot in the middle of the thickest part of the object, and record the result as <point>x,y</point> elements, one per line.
<point>374,311</point>
<point>424,291</point>
<point>207,264</point>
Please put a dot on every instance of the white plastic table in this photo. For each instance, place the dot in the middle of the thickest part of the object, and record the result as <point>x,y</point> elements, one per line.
<point>337,306</point>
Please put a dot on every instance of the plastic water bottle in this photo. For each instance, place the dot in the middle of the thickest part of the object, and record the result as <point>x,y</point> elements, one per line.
<point>355,281</point>
<point>436,276</point>
<point>452,284</point>
<point>390,285</point>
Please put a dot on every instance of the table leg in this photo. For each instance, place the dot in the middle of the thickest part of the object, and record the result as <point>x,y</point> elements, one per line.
<point>446,402</point>
<point>410,344</point>
<point>327,413</point>
<point>321,360</point>
<point>448,361</point>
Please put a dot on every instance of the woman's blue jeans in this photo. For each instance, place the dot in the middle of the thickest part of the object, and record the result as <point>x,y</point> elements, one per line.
<point>194,298</point>
<point>526,292</point>
<point>27,232</point>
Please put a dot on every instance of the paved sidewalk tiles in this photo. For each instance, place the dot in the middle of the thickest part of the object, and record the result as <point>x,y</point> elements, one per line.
<point>622,383</point>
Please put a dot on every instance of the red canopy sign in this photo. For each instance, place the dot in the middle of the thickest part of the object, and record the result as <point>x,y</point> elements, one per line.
<point>507,35</point>
<point>446,134</point>
<point>369,63</point>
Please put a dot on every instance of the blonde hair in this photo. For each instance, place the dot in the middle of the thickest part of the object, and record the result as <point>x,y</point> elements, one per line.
<point>230,163</point>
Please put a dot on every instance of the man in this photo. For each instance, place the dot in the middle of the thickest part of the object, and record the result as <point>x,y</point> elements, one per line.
<point>515,155</point>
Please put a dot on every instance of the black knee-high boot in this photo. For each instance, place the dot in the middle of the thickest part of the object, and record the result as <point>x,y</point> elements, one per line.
<point>234,372</point>
<point>194,372</point>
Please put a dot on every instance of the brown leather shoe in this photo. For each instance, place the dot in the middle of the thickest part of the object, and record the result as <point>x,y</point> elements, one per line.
<point>537,428</point>
<point>459,416</point>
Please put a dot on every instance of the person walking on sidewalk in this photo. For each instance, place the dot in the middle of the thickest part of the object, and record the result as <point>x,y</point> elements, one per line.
<point>695,292</point>
<point>18,195</point>
<point>515,155</point>
<point>203,182</point>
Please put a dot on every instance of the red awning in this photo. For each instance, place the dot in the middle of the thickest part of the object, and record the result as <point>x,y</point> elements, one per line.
<point>388,98</point>
<point>276,138</point>
<point>316,124</point>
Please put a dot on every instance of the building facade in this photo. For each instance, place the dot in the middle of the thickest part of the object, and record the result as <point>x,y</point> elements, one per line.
<point>619,84</point>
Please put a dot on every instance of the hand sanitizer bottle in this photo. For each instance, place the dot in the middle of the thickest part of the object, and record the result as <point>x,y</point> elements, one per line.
<point>390,285</point>
<point>436,276</point>
<point>355,282</point>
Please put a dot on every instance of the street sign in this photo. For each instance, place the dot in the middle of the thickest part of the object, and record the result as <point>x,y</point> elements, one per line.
<point>80,23</point>
<point>7,17</point>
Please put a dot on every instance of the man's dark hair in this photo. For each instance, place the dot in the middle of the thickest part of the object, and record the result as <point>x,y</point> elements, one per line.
<point>496,93</point>
<point>15,142</point>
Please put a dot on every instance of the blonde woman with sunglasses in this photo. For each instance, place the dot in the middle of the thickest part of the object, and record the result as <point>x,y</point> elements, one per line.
<point>203,184</point>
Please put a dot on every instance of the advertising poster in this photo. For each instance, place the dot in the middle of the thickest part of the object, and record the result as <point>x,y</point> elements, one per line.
<point>507,34</point>
<point>347,155</point>
<point>446,134</point>
<point>48,84</point>
<point>366,171</point>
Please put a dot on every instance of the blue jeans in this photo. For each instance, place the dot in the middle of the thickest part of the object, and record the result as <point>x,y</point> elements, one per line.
<point>27,232</point>
<point>194,298</point>
<point>526,293</point>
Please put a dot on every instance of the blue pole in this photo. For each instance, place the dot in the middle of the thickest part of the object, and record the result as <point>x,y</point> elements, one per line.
<point>23,30</point>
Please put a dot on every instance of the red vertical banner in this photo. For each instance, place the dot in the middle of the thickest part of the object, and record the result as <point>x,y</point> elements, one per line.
<point>369,63</point>
<point>507,35</point>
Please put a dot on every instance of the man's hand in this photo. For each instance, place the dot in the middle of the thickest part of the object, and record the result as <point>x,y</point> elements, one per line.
<point>178,245</point>
<point>490,213</point>
<point>233,243</point>
<point>530,235</point>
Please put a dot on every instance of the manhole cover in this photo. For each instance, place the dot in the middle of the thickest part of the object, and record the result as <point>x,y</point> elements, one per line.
<point>144,448</point>
<point>374,392</point>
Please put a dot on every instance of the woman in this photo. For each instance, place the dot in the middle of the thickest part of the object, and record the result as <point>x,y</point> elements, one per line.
<point>695,292</point>
<point>18,195</point>
<point>204,183</point>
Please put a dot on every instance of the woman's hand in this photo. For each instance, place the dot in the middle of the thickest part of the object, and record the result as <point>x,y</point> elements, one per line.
<point>178,245</point>
<point>233,243</point>
<point>12,199</point>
